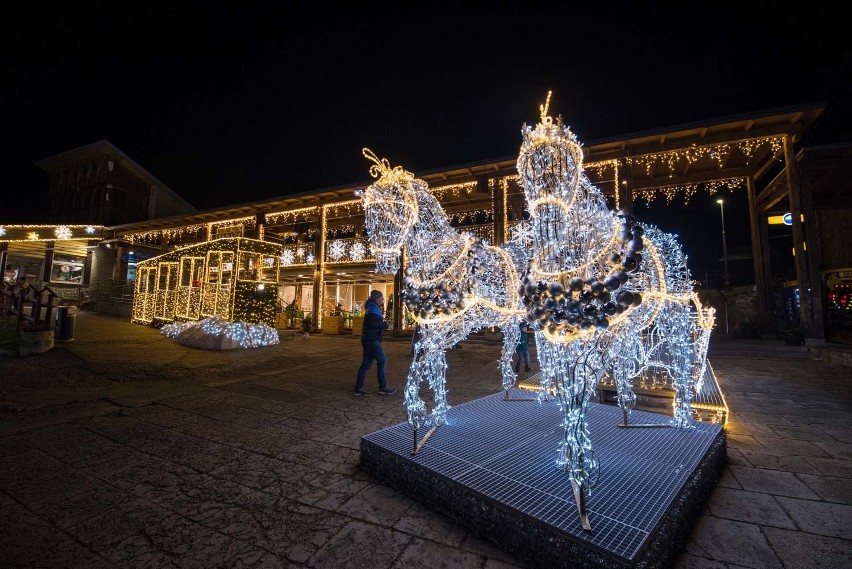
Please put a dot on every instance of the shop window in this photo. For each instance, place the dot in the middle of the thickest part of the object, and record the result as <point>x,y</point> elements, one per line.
<point>10,276</point>
<point>67,269</point>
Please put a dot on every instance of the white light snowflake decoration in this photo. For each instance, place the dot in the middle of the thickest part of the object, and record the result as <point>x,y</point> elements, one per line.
<point>521,233</point>
<point>287,257</point>
<point>309,258</point>
<point>336,250</point>
<point>453,285</point>
<point>63,232</point>
<point>358,251</point>
<point>604,294</point>
<point>2,231</point>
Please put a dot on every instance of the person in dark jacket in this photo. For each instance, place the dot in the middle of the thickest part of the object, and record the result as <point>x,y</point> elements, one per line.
<point>371,341</point>
<point>523,348</point>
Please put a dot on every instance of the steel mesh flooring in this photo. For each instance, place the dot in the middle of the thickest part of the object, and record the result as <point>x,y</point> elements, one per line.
<point>506,450</point>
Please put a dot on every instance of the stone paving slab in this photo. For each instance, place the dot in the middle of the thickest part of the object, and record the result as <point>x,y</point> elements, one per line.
<point>125,449</point>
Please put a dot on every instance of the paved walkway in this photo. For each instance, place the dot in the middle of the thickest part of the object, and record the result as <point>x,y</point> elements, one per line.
<point>124,449</point>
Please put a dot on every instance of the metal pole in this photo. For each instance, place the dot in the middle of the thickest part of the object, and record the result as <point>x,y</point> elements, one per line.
<point>724,245</point>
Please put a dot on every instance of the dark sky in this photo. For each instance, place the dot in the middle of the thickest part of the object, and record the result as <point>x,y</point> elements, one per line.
<point>229,105</point>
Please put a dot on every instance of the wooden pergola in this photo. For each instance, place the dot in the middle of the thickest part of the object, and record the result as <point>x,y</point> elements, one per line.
<point>757,151</point>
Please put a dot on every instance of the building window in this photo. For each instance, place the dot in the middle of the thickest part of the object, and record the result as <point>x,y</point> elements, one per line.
<point>67,269</point>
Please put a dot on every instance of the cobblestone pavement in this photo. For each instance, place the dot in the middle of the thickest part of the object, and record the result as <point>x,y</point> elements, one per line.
<point>125,449</point>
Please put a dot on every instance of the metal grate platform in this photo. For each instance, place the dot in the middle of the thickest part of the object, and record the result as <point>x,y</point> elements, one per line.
<point>492,467</point>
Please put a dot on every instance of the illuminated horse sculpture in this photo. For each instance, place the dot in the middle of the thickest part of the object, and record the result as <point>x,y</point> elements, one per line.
<point>454,284</point>
<point>603,294</point>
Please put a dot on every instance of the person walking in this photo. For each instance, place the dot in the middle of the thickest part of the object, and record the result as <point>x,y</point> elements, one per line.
<point>371,341</point>
<point>523,348</point>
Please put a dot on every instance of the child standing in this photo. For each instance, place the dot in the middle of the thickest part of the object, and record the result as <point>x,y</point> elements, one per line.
<point>523,348</point>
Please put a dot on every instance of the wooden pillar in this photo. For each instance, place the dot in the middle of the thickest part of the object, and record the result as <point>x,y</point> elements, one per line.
<point>794,194</point>
<point>624,186</point>
<point>319,272</point>
<point>759,252</point>
<point>48,261</point>
<point>4,258</point>
<point>87,267</point>
<point>259,224</point>
<point>813,254</point>
<point>116,262</point>
<point>498,205</point>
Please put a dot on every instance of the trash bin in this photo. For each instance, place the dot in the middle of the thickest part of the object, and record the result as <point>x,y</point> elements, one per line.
<point>64,331</point>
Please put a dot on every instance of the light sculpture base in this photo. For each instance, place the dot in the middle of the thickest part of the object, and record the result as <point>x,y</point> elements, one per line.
<point>492,468</point>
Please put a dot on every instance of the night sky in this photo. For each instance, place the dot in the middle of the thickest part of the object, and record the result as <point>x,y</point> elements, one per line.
<point>230,105</point>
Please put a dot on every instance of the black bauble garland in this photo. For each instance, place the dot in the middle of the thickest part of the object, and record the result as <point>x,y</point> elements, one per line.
<point>583,304</point>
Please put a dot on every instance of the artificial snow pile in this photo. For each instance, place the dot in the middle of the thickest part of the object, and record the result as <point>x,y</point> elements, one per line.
<point>216,333</point>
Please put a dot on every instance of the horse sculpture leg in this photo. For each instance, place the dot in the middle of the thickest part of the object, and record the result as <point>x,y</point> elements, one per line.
<point>676,325</point>
<point>575,382</point>
<point>511,333</point>
<point>430,364</point>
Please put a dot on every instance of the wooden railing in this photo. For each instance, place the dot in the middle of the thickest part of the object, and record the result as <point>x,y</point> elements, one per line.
<point>32,307</point>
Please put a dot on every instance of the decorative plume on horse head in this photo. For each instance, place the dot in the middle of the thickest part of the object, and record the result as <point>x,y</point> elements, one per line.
<point>604,294</point>
<point>454,283</point>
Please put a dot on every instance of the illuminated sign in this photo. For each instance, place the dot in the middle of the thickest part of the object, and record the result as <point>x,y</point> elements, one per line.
<point>786,219</point>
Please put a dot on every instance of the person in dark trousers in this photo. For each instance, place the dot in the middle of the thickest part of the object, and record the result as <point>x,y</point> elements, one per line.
<point>415,338</point>
<point>371,340</point>
<point>523,348</point>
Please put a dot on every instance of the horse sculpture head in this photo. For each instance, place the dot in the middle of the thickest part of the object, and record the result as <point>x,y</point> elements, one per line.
<point>550,162</point>
<point>390,208</point>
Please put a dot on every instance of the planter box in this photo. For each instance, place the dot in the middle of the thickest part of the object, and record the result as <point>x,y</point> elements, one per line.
<point>36,341</point>
<point>332,325</point>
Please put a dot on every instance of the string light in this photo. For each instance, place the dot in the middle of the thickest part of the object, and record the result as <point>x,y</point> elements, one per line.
<point>291,215</point>
<point>210,332</point>
<point>687,190</point>
<point>453,190</point>
<point>12,233</point>
<point>159,235</point>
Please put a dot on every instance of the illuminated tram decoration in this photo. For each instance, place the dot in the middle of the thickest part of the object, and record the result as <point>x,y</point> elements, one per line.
<point>233,278</point>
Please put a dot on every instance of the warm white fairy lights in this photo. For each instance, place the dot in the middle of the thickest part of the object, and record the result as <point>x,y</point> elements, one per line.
<point>453,190</point>
<point>165,234</point>
<point>64,232</point>
<point>669,193</point>
<point>604,294</point>
<point>292,215</point>
<point>216,333</point>
<point>454,283</point>
<point>673,159</point>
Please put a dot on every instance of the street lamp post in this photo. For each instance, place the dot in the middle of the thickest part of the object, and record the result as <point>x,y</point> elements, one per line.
<point>721,203</point>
